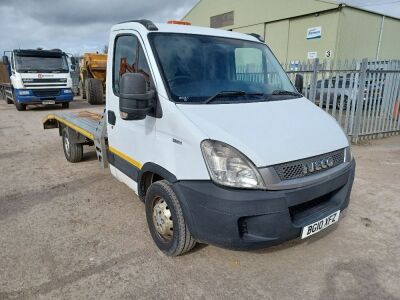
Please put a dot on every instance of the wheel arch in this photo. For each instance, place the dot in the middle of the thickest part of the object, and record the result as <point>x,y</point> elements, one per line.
<point>149,173</point>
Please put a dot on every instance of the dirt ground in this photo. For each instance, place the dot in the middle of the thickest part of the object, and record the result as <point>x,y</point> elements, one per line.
<point>71,231</point>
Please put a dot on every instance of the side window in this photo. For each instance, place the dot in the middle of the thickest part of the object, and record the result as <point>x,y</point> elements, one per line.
<point>249,64</point>
<point>125,58</point>
<point>129,58</point>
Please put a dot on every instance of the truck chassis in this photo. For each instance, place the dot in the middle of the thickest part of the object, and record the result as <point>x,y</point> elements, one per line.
<point>6,92</point>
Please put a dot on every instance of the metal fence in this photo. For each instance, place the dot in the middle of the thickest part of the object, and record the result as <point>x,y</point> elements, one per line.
<point>363,96</point>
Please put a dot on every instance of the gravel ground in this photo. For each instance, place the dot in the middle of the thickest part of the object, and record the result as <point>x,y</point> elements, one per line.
<point>71,231</point>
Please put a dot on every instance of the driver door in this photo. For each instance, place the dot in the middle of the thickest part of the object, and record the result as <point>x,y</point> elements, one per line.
<point>130,141</point>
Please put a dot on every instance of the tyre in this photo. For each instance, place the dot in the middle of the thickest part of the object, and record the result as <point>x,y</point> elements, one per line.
<point>94,91</point>
<point>82,90</point>
<point>73,152</point>
<point>166,221</point>
<point>65,105</point>
<point>20,106</point>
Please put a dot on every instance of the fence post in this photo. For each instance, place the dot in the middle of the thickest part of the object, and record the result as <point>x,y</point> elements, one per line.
<point>360,98</point>
<point>314,78</point>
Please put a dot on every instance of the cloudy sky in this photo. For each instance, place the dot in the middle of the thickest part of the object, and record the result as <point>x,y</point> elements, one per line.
<point>78,26</point>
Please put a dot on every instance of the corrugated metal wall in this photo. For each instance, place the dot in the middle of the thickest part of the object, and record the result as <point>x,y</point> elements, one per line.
<point>347,32</point>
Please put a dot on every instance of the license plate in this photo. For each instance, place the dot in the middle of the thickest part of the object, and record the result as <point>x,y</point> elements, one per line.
<point>320,225</point>
<point>48,102</point>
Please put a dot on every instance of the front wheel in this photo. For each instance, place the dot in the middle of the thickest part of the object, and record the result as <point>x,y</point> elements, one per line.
<point>65,105</point>
<point>73,152</point>
<point>166,221</point>
<point>20,106</point>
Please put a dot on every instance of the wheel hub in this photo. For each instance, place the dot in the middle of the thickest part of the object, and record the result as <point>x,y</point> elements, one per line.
<point>162,218</point>
<point>66,144</point>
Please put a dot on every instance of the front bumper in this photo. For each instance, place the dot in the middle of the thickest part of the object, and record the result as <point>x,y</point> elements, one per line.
<point>249,219</point>
<point>59,97</point>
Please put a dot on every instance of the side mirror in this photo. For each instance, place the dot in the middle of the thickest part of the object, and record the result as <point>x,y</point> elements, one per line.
<point>73,60</point>
<point>5,60</point>
<point>298,83</point>
<point>135,102</point>
<point>73,67</point>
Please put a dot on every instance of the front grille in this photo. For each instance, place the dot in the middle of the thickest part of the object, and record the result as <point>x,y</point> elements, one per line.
<point>46,93</point>
<point>295,169</point>
<point>44,80</point>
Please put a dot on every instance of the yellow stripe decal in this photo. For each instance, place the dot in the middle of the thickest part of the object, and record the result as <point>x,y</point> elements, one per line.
<point>125,157</point>
<point>76,128</point>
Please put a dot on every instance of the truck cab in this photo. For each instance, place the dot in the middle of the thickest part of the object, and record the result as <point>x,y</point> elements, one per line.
<point>40,77</point>
<point>207,129</point>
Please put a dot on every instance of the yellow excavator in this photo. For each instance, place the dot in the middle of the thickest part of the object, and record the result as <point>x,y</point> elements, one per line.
<point>92,77</point>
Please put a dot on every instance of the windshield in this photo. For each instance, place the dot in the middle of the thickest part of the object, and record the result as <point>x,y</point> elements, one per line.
<point>41,64</point>
<point>197,67</point>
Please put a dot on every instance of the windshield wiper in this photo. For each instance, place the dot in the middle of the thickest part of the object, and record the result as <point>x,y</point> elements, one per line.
<point>224,93</point>
<point>284,92</point>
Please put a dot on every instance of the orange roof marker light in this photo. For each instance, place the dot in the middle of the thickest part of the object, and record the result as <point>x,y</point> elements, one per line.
<point>179,22</point>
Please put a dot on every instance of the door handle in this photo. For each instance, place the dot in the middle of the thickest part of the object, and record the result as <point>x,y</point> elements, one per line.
<point>111,117</point>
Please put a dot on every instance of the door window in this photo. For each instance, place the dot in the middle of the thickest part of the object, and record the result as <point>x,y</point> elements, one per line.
<point>129,57</point>
<point>249,64</point>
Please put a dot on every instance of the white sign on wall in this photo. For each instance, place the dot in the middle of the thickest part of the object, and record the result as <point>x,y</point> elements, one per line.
<point>294,65</point>
<point>314,33</point>
<point>312,55</point>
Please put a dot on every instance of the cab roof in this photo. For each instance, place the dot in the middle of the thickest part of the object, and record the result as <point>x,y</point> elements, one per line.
<point>145,26</point>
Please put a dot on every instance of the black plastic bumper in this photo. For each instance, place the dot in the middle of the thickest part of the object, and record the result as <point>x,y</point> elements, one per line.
<point>249,219</point>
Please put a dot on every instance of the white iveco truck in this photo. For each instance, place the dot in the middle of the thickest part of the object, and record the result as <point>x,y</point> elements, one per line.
<point>38,77</point>
<point>205,126</point>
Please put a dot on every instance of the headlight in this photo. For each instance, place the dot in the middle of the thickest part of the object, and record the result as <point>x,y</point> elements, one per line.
<point>22,92</point>
<point>227,166</point>
<point>67,91</point>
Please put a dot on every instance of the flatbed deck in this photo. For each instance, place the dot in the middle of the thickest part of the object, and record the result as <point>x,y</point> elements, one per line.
<point>84,122</point>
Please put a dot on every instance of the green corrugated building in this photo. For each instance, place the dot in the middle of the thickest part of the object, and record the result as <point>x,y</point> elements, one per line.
<point>305,29</point>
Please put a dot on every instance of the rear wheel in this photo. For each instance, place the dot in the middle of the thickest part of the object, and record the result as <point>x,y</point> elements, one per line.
<point>94,91</point>
<point>73,152</point>
<point>166,221</point>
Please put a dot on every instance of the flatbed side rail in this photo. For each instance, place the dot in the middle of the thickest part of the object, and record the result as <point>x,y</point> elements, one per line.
<point>53,121</point>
